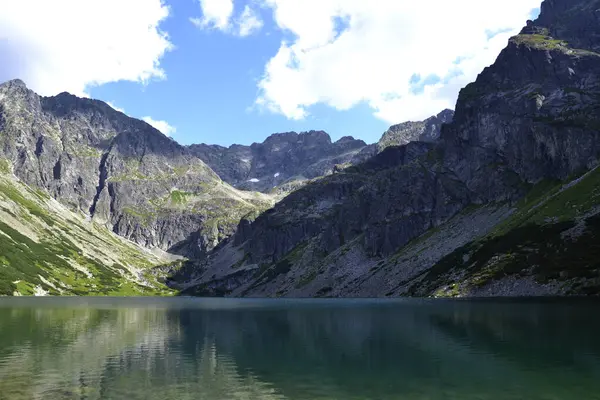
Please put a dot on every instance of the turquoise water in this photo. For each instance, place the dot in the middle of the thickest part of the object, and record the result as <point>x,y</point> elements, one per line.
<point>84,348</point>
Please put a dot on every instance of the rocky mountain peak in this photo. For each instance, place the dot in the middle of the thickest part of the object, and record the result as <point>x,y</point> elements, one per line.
<point>280,159</point>
<point>445,116</point>
<point>423,131</point>
<point>14,94</point>
<point>344,139</point>
<point>120,171</point>
<point>530,119</point>
<point>308,138</point>
<point>13,83</point>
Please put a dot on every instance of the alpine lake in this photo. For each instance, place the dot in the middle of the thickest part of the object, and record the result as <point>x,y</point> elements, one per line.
<point>218,349</point>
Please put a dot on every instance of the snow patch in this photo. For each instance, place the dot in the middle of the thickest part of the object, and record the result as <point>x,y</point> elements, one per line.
<point>254,180</point>
<point>276,175</point>
<point>245,160</point>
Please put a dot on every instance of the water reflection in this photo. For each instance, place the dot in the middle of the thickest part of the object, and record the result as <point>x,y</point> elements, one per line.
<point>229,349</point>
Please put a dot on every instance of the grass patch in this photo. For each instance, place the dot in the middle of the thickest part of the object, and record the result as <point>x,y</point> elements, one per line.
<point>143,215</point>
<point>56,262</point>
<point>540,42</point>
<point>5,166</point>
<point>531,242</point>
<point>307,278</point>
<point>269,272</point>
<point>533,249</point>
<point>11,193</point>
<point>178,197</point>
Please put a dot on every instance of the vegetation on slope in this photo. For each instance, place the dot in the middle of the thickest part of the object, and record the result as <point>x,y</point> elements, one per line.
<point>46,249</point>
<point>553,238</point>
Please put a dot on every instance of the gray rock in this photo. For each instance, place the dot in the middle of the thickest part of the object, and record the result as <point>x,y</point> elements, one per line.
<point>282,158</point>
<point>118,170</point>
<point>533,115</point>
<point>424,131</point>
<point>291,158</point>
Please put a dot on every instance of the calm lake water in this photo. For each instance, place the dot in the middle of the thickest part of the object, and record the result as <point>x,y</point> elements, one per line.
<point>85,348</point>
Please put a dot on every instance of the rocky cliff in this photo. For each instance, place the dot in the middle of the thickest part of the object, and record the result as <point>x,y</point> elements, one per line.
<point>119,171</point>
<point>280,159</point>
<point>498,205</point>
<point>122,174</point>
<point>422,131</point>
<point>45,248</point>
<point>292,158</point>
<point>499,198</point>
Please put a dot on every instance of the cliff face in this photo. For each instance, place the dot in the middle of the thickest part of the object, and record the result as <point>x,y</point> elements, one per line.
<point>125,175</point>
<point>119,171</point>
<point>281,158</point>
<point>499,198</point>
<point>292,158</point>
<point>530,118</point>
<point>535,110</point>
<point>423,131</point>
<point>46,248</point>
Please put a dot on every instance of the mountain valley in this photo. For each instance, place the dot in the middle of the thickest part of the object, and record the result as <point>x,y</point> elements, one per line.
<point>500,197</point>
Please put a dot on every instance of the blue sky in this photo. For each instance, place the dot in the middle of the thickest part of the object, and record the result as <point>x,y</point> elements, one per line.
<point>236,71</point>
<point>211,88</point>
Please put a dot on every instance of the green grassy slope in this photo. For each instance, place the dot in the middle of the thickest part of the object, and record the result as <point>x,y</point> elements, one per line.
<point>553,238</point>
<point>47,249</point>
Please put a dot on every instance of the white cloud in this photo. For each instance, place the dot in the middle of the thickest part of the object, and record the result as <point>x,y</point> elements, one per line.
<point>218,14</point>
<point>345,52</point>
<point>162,126</point>
<point>68,45</point>
<point>249,22</point>
<point>215,14</point>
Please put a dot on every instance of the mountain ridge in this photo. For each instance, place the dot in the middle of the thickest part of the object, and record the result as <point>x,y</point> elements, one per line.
<point>496,198</point>
<point>287,157</point>
<point>120,173</point>
<point>529,120</point>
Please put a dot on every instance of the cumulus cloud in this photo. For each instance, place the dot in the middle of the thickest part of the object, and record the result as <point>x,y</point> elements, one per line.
<point>215,14</point>
<point>249,22</point>
<point>69,45</point>
<point>406,59</point>
<point>162,126</point>
<point>219,14</point>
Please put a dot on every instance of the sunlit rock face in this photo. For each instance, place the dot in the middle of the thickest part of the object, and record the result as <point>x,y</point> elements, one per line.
<point>119,171</point>
<point>424,131</point>
<point>287,158</point>
<point>280,159</point>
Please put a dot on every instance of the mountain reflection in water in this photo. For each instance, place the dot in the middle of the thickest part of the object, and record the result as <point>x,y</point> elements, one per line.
<point>84,348</point>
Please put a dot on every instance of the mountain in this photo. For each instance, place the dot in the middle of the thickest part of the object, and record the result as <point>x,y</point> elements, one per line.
<point>291,158</point>
<point>116,171</point>
<point>423,131</point>
<point>505,202</point>
<point>69,160</point>
<point>280,159</point>
<point>500,197</point>
<point>47,249</point>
